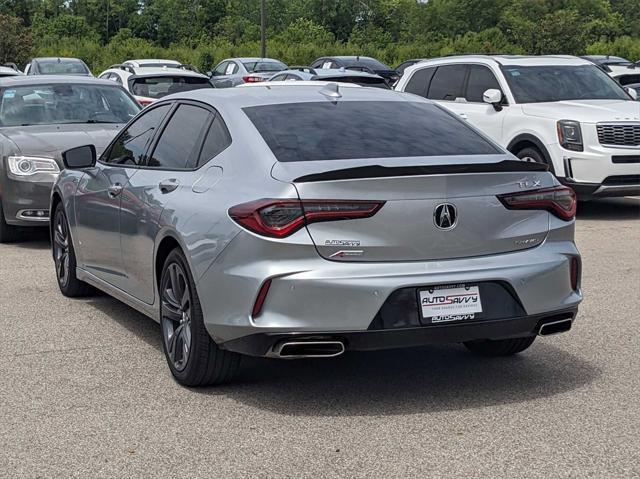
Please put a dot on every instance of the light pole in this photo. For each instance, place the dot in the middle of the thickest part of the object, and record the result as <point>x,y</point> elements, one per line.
<point>263,28</point>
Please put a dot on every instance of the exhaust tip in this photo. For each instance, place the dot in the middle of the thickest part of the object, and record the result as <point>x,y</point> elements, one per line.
<point>555,327</point>
<point>309,349</point>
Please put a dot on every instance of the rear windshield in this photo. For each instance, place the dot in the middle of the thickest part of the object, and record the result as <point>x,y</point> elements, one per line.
<point>343,130</point>
<point>548,83</point>
<point>257,67</point>
<point>65,103</point>
<point>65,67</point>
<point>159,86</point>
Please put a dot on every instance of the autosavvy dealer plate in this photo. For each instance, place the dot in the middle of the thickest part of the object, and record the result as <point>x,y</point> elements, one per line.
<point>442,304</point>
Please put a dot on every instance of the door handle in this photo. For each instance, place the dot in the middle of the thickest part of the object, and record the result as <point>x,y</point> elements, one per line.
<point>167,186</point>
<point>114,190</point>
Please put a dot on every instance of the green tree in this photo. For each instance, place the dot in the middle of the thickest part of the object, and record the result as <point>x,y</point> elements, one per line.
<point>16,42</point>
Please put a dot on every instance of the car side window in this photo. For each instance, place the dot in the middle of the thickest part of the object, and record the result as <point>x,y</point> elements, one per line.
<point>179,145</point>
<point>220,69</point>
<point>217,140</point>
<point>448,83</point>
<point>418,84</point>
<point>231,68</point>
<point>130,147</point>
<point>480,80</point>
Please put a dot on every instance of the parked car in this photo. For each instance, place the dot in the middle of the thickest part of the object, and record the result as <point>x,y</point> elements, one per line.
<point>351,232</point>
<point>563,112</point>
<point>404,65</point>
<point>149,84</point>
<point>153,63</point>
<point>40,117</point>
<point>57,66</point>
<point>235,71</point>
<point>606,61</point>
<point>9,70</point>
<point>366,64</point>
<point>625,75</point>
<point>338,75</point>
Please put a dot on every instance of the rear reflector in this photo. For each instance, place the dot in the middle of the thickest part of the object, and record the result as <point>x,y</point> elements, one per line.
<point>260,299</point>
<point>561,201</point>
<point>282,218</point>
<point>575,273</point>
<point>252,79</point>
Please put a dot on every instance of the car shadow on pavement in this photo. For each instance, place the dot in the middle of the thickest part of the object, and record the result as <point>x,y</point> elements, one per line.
<point>33,239</point>
<point>417,380</point>
<point>402,381</point>
<point>613,209</point>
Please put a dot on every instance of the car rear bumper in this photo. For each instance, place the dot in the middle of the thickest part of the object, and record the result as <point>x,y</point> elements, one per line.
<point>267,344</point>
<point>310,295</point>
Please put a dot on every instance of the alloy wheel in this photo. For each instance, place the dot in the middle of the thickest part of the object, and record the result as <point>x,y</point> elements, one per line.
<point>61,248</point>
<point>176,315</point>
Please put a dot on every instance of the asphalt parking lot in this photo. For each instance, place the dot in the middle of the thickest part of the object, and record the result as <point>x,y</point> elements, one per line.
<point>85,391</point>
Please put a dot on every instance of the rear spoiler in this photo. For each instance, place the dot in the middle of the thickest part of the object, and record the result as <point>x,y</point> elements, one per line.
<point>377,171</point>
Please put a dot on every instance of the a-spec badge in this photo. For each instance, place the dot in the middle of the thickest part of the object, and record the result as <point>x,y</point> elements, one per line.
<point>347,253</point>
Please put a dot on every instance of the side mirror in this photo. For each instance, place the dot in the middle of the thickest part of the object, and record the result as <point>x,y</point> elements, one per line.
<point>80,157</point>
<point>632,92</point>
<point>209,73</point>
<point>493,97</point>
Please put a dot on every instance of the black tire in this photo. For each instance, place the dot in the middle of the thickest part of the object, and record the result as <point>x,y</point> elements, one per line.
<point>64,257</point>
<point>500,347</point>
<point>182,323</point>
<point>533,154</point>
<point>8,233</point>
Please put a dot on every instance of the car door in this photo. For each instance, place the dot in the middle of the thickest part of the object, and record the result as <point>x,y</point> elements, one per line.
<point>480,114</point>
<point>99,196</point>
<point>168,172</point>
<point>218,75</point>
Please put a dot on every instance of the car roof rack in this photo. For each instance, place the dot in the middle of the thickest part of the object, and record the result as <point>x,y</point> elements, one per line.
<point>123,66</point>
<point>303,68</point>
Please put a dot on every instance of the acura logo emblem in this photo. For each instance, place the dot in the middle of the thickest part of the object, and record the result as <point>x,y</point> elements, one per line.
<point>445,216</point>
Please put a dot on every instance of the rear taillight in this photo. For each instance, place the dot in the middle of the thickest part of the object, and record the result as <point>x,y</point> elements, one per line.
<point>561,201</point>
<point>145,101</point>
<point>252,79</point>
<point>281,218</point>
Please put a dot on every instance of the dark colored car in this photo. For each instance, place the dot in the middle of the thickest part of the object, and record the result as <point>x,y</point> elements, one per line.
<point>404,65</point>
<point>57,66</point>
<point>358,63</point>
<point>40,117</point>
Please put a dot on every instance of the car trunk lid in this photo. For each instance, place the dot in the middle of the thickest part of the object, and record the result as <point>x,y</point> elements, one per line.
<point>418,196</point>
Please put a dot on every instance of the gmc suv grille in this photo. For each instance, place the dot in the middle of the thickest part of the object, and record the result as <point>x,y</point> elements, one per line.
<point>619,134</point>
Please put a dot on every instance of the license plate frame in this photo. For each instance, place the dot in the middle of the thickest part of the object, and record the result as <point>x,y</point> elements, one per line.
<point>450,303</point>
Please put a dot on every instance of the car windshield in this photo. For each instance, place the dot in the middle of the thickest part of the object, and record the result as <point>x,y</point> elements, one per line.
<point>62,67</point>
<point>65,103</point>
<point>264,66</point>
<point>159,86</point>
<point>536,84</point>
<point>316,131</point>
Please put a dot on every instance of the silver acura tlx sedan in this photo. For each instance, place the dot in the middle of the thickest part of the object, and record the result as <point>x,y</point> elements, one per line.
<point>303,221</point>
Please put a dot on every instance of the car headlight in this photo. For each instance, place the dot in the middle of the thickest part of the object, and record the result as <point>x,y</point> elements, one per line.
<point>570,135</point>
<point>30,165</point>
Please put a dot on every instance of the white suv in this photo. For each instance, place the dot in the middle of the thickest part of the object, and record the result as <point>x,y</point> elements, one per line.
<point>559,110</point>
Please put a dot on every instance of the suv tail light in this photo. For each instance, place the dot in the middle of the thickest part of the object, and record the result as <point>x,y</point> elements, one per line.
<point>282,218</point>
<point>252,79</point>
<point>561,201</point>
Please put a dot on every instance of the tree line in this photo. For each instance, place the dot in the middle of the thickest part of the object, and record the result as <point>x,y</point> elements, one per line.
<point>202,32</point>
